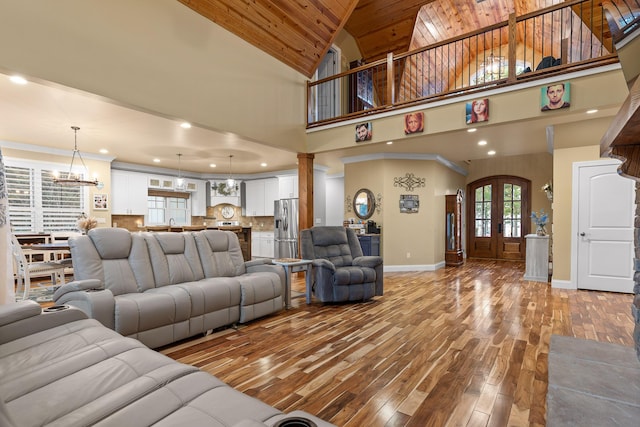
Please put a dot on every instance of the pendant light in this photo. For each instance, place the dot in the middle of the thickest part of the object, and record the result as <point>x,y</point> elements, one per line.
<point>180,185</point>
<point>71,179</point>
<point>230,181</point>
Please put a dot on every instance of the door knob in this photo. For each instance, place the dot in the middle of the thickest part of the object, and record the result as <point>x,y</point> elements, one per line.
<point>583,234</point>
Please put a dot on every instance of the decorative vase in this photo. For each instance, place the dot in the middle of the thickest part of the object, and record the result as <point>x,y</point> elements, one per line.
<point>541,231</point>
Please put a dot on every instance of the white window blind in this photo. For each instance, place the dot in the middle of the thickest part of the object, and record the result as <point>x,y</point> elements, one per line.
<point>36,204</point>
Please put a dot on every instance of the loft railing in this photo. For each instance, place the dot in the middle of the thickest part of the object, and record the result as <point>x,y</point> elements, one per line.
<point>561,38</point>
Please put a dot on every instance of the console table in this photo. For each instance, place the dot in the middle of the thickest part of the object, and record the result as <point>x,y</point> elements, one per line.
<point>537,261</point>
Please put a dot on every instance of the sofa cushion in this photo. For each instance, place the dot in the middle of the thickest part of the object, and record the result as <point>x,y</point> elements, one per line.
<point>174,258</point>
<point>126,266</point>
<point>332,243</point>
<point>354,275</point>
<point>220,253</point>
<point>136,312</point>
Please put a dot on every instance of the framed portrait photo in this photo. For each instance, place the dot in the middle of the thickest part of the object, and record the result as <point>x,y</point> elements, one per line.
<point>413,123</point>
<point>100,202</point>
<point>555,96</point>
<point>363,132</point>
<point>477,111</point>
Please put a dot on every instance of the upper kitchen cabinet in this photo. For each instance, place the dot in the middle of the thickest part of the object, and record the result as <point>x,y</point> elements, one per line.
<point>198,197</point>
<point>222,194</point>
<point>288,187</point>
<point>259,197</point>
<point>129,193</point>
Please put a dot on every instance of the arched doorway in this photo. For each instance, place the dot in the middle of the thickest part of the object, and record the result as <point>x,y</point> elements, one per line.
<point>498,217</point>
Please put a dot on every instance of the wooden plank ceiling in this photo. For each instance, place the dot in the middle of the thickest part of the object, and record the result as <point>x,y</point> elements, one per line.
<point>300,32</point>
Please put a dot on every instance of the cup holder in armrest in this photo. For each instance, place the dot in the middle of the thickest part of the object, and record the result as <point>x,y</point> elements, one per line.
<point>295,422</point>
<point>55,308</point>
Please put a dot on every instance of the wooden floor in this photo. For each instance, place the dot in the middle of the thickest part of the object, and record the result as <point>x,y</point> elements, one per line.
<point>464,346</point>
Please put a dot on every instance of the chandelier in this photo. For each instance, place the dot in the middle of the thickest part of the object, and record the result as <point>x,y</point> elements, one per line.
<point>71,179</point>
<point>180,184</point>
<point>494,67</point>
<point>230,181</point>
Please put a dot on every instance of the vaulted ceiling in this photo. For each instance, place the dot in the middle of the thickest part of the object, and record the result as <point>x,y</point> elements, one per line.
<point>300,32</point>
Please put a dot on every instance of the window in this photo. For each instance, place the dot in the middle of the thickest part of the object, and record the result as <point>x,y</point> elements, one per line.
<point>163,209</point>
<point>483,211</point>
<point>512,210</point>
<point>36,203</point>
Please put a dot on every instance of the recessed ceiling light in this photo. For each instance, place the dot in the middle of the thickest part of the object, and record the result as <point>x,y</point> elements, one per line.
<point>390,143</point>
<point>212,165</point>
<point>185,125</point>
<point>483,142</point>
<point>18,80</point>
<point>264,165</point>
<point>104,151</point>
<point>156,160</point>
<point>492,152</point>
<point>592,111</point>
<point>471,130</point>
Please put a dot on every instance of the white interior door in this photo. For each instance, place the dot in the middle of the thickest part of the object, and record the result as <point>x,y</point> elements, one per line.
<point>605,207</point>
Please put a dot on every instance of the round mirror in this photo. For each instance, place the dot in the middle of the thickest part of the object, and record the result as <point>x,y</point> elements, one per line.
<point>364,203</point>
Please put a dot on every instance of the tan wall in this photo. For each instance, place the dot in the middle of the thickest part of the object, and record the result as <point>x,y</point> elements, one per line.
<point>519,105</point>
<point>420,234</point>
<point>101,168</point>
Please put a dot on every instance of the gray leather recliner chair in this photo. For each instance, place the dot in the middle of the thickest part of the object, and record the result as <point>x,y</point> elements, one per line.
<point>340,271</point>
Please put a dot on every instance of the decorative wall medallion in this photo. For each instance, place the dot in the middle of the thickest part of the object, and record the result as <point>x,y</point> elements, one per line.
<point>409,181</point>
<point>347,203</point>
<point>378,203</point>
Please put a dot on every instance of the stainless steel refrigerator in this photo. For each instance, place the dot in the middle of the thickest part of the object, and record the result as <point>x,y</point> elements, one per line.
<point>285,237</point>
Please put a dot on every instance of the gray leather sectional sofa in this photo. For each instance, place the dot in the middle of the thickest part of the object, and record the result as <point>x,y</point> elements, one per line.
<point>59,368</point>
<point>163,287</point>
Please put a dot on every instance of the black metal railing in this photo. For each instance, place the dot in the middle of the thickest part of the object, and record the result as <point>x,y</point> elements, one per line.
<point>561,38</point>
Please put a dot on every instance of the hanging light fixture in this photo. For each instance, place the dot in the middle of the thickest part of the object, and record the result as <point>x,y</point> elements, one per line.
<point>71,179</point>
<point>494,67</point>
<point>180,185</point>
<point>230,181</point>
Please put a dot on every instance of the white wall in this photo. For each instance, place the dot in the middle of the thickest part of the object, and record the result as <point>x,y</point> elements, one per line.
<point>335,202</point>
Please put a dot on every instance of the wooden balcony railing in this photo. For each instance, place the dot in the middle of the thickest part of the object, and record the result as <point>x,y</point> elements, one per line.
<point>561,38</point>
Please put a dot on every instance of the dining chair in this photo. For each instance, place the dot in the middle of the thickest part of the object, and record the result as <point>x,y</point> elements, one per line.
<point>24,270</point>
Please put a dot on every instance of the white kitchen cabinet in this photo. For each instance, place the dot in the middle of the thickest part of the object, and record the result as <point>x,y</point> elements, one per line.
<point>128,193</point>
<point>260,195</point>
<point>288,187</point>
<point>199,198</point>
<point>262,245</point>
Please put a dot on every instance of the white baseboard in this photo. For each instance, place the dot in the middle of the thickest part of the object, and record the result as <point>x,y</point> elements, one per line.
<point>562,284</point>
<point>424,267</point>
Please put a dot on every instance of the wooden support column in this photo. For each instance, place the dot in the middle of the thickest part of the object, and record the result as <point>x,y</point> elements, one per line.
<point>305,190</point>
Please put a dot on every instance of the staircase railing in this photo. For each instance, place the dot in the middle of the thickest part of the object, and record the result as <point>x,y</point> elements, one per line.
<point>566,37</point>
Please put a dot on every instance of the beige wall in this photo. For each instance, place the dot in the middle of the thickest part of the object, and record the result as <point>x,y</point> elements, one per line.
<point>421,235</point>
<point>101,168</point>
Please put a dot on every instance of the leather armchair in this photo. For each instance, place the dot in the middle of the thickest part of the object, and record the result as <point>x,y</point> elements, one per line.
<point>340,272</point>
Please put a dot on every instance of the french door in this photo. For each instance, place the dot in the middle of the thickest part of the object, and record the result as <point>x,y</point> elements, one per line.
<point>498,217</point>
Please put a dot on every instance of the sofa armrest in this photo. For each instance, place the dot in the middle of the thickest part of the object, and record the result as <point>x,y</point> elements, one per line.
<point>254,262</point>
<point>10,313</point>
<point>27,317</point>
<point>89,296</point>
<point>77,285</point>
<point>323,263</point>
<point>367,261</point>
<point>267,266</point>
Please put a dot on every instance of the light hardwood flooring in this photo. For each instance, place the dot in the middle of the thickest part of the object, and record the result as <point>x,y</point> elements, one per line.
<point>463,346</point>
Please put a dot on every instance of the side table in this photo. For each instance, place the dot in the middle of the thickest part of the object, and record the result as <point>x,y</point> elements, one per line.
<point>292,265</point>
<point>537,261</point>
